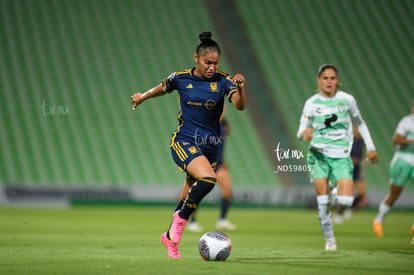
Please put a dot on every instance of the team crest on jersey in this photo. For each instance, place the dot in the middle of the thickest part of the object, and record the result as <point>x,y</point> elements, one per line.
<point>341,107</point>
<point>193,150</point>
<point>213,86</point>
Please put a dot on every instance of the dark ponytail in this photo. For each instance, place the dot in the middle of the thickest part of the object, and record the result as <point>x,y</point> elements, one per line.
<point>206,43</point>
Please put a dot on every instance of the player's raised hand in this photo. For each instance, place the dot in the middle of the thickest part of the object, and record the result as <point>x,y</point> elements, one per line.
<point>136,99</point>
<point>239,80</point>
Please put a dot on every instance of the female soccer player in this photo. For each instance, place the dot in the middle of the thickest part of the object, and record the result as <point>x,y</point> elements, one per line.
<point>194,145</point>
<point>401,169</point>
<point>326,122</point>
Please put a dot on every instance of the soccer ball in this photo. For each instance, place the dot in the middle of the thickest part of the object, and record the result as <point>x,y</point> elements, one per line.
<point>214,246</point>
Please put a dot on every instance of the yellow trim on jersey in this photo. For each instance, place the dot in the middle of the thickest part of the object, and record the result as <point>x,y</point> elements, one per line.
<point>231,94</point>
<point>173,138</point>
<point>223,73</point>
<point>180,113</point>
<point>187,71</point>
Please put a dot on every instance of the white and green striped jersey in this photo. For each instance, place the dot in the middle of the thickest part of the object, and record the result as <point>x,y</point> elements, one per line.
<point>405,129</point>
<point>331,119</point>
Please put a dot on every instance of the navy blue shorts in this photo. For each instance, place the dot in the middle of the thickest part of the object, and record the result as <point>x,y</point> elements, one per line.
<point>184,152</point>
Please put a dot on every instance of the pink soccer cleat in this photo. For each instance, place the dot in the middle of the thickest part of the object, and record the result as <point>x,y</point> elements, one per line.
<point>172,248</point>
<point>177,227</point>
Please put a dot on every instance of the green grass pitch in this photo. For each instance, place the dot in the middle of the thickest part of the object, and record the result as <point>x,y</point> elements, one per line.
<point>125,240</point>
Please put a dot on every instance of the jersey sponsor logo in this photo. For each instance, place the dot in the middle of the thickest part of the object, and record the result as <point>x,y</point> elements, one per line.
<point>213,86</point>
<point>194,103</point>
<point>189,86</point>
<point>330,119</point>
<point>210,104</point>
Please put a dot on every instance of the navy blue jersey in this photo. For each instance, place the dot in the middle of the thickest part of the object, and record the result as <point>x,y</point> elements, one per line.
<point>201,105</point>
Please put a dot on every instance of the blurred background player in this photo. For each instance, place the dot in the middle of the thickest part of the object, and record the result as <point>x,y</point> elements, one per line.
<point>194,145</point>
<point>326,123</point>
<point>360,200</point>
<point>225,183</point>
<point>401,169</point>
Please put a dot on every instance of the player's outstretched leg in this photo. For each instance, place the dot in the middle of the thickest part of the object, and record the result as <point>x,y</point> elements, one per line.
<point>180,218</point>
<point>377,228</point>
<point>223,223</point>
<point>383,210</point>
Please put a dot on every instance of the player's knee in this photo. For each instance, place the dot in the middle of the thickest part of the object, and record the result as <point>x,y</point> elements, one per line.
<point>323,207</point>
<point>323,199</point>
<point>346,200</point>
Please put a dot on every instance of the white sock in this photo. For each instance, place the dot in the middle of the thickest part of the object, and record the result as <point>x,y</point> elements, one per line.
<point>383,210</point>
<point>324,216</point>
<point>345,200</point>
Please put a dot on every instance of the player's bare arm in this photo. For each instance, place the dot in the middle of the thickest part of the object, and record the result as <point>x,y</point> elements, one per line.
<point>138,98</point>
<point>400,140</point>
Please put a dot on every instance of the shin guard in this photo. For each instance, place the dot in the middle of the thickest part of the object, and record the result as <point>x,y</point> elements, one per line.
<point>198,191</point>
